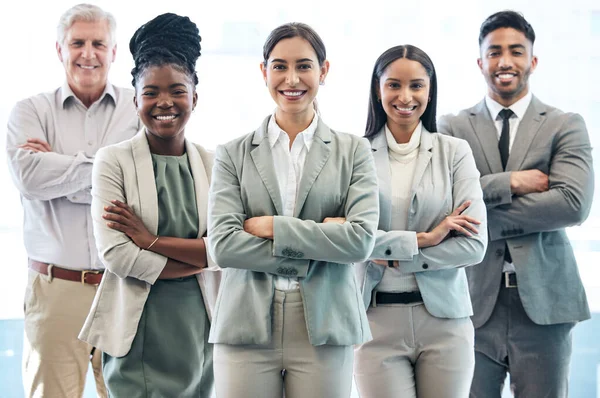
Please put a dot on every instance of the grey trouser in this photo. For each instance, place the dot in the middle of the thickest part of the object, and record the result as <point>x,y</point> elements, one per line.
<point>414,354</point>
<point>289,362</point>
<point>536,356</point>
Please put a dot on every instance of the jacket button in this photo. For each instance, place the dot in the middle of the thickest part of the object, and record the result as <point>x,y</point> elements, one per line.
<point>388,252</point>
<point>499,252</point>
<point>425,266</point>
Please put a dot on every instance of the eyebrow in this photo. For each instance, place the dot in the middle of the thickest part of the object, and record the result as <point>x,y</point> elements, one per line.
<point>283,61</point>
<point>512,46</point>
<point>156,87</point>
<point>398,80</point>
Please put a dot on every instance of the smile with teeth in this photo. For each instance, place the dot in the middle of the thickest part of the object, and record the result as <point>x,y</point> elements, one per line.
<point>505,76</point>
<point>89,67</point>
<point>408,109</point>
<point>290,93</point>
<point>165,118</point>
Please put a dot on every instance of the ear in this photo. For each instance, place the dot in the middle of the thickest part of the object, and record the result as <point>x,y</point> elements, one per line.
<point>534,62</point>
<point>194,100</point>
<point>480,64</point>
<point>114,53</point>
<point>135,100</point>
<point>59,52</point>
<point>324,71</point>
<point>263,70</point>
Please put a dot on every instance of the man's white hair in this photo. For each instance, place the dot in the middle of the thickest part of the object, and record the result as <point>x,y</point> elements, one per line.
<point>87,13</point>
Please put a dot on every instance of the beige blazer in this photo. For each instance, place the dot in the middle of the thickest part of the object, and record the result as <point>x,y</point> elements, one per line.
<point>124,171</point>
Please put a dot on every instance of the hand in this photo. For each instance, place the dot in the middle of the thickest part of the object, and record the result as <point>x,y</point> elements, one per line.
<point>339,220</point>
<point>528,181</point>
<point>122,218</point>
<point>456,221</point>
<point>385,263</point>
<point>261,227</point>
<point>36,145</point>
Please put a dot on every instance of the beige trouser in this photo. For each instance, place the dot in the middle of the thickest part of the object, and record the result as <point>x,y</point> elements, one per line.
<point>245,371</point>
<point>55,362</point>
<point>414,354</point>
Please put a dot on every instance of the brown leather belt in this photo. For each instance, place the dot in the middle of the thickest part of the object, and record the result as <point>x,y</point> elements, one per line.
<point>88,277</point>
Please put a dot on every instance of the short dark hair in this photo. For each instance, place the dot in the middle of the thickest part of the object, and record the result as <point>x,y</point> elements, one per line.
<point>376,117</point>
<point>506,19</point>
<point>295,29</point>
<point>168,39</point>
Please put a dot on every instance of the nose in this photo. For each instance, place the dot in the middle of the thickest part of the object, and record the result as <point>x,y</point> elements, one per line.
<point>505,61</point>
<point>292,78</point>
<point>88,50</point>
<point>405,96</point>
<point>164,101</point>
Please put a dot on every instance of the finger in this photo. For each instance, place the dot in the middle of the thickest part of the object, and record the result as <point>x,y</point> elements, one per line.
<point>461,208</point>
<point>40,142</point>
<point>470,219</point>
<point>461,230</point>
<point>119,210</point>
<point>122,205</point>
<point>28,148</point>
<point>116,226</point>
<point>33,147</point>
<point>116,218</point>
<point>42,146</point>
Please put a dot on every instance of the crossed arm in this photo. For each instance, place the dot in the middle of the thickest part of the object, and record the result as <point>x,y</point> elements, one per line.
<point>260,243</point>
<point>126,246</point>
<point>37,171</point>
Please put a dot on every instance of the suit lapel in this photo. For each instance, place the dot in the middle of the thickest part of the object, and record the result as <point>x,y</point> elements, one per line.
<point>384,176</point>
<point>145,181</point>
<point>486,133</point>
<point>528,128</point>
<point>423,160</point>
<point>263,160</point>
<point>315,160</point>
<point>200,185</point>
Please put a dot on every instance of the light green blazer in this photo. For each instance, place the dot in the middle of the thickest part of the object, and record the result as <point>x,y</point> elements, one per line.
<point>339,180</point>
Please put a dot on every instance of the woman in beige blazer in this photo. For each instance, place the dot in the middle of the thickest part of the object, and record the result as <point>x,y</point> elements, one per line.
<point>431,225</point>
<point>289,309</point>
<point>151,313</point>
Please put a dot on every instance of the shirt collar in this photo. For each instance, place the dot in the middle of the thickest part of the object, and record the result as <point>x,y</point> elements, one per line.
<point>67,93</point>
<point>519,108</point>
<point>274,132</point>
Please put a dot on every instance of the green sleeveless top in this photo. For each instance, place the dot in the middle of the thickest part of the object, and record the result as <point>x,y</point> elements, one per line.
<point>177,208</point>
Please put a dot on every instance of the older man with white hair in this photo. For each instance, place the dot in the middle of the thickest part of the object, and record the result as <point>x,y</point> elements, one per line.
<point>51,142</point>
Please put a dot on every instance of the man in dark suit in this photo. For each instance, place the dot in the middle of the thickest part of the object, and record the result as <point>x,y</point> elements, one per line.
<point>537,178</point>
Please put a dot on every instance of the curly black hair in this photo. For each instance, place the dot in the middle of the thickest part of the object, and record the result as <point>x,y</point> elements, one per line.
<point>168,39</point>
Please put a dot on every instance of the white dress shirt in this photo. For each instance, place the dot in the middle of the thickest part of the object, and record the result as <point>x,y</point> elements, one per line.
<point>289,164</point>
<point>519,108</point>
<point>403,162</point>
<point>55,186</point>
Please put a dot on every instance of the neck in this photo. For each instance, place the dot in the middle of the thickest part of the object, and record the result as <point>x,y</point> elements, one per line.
<point>402,134</point>
<point>87,97</point>
<point>294,123</point>
<point>174,146</point>
<point>508,100</point>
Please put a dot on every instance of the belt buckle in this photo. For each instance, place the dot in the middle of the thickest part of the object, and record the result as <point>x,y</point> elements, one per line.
<point>507,280</point>
<point>84,273</point>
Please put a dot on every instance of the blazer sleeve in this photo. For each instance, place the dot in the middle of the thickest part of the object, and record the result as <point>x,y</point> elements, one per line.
<point>230,246</point>
<point>344,243</point>
<point>117,251</point>
<point>496,186</point>
<point>457,250</point>
<point>569,197</point>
